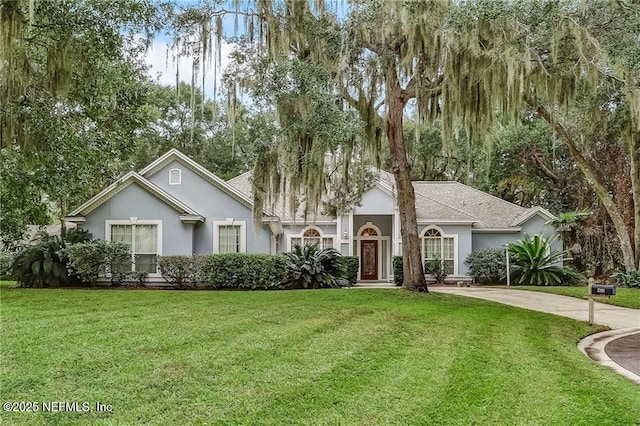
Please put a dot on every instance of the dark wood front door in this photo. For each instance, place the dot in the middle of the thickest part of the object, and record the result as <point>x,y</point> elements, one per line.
<point>369,260</point>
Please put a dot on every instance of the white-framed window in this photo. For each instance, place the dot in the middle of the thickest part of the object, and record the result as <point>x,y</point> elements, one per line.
<point>437,245</point>
<point>229,236</point>
<point>143,236</point>
<point>312,236</point>
<point>175,177</point>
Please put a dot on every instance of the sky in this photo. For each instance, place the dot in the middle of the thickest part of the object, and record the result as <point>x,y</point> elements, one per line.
<point>162,65</point>
<point>161,58</point>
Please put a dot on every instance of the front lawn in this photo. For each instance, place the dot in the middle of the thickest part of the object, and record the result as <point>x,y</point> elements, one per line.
<point>625,297</point>
<point>299,357</point>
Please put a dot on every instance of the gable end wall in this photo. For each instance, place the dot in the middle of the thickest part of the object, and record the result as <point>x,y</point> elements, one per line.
<point>215,205</point>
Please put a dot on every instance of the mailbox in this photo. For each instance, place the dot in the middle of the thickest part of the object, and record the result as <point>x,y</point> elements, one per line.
<point>603,290</point>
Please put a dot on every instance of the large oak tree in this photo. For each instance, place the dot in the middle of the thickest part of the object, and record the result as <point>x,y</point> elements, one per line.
<point>465,62</point>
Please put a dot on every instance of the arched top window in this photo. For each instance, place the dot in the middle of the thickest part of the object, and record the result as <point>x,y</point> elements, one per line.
<point>175,177</point>
<point>311,232</point>
<point>369,232</point>
<point>438,246</point>
<point>432,232</point>
<point>312,236</point>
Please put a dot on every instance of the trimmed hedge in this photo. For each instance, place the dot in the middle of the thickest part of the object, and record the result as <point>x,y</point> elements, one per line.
<point>243,271</point>
<point>180,271</point>
<point>398,274</point>
<point>95,259</point>
<point>240,271</point>
<point>350,267</point>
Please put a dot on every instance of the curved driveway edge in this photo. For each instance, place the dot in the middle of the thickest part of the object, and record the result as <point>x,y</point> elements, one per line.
<point>566,306</point>
<point>594,345</point>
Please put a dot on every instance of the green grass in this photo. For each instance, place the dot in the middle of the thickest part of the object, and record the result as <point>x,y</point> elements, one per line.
<point>300,357</point>
<point>625,297</point>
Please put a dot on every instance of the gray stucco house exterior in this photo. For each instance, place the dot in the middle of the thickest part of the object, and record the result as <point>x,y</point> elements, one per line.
<point>174,206</point>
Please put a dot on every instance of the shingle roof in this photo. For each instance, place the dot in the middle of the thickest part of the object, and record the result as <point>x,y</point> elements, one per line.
<point>487,210</point>
<point>282,206</point>
<point>435,201</point>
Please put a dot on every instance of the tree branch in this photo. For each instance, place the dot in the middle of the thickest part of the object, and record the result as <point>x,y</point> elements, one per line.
<point>537,159</point>
<point>595,182</point>
<point>434,89</point>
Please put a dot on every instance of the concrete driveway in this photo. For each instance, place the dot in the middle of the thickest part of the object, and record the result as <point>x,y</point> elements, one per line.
<point>570,307</point>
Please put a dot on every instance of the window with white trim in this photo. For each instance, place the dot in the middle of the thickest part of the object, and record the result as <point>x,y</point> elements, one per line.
<point>312,236</point>
<point>437,246</point>
<point>175,177</point>
<point>143,239</point>
<point>229,237</point>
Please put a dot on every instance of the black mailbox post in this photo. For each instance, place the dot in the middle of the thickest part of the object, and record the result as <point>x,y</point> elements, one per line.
<point>603,290</point>
<point>597,290</point>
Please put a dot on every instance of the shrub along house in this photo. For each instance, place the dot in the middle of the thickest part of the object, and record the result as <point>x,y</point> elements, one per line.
<point>174,206</point>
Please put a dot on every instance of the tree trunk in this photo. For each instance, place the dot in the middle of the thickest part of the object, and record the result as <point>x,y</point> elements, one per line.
<point>634,164</point>
<point>411,254</point>
<point>596,184</point>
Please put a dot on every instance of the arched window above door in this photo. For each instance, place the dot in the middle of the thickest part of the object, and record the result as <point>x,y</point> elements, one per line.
<point>369,232</point>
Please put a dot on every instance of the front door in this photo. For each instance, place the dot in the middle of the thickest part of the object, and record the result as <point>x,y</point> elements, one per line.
<point>369,260</point>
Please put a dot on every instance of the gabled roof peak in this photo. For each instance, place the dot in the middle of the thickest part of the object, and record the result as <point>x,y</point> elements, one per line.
<point>175,155</point>
<point>122,183</point>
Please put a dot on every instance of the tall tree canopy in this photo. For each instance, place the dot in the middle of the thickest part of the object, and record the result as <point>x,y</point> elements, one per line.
<point>71,87</point>
<point>68,56</point>
<point>343,77</point>
<point>466,62</point>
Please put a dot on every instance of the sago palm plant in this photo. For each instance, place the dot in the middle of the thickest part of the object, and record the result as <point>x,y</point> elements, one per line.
<point>538,264</point>
<point>45,263</point>
<point>310,267</point>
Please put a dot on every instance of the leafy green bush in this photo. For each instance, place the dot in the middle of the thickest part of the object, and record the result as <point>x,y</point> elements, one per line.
<point>6,260</point>
<point>537,264</point>
<point>627,279</point>
<point>45,262</point>
<point>398,274</point>
<point>309,267</point>
<point>97,259</point>
<point>350,267</point>
<point>436,268</point>
<point>180,271</point>
<point>488,266</point>
<point>241,271</point>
